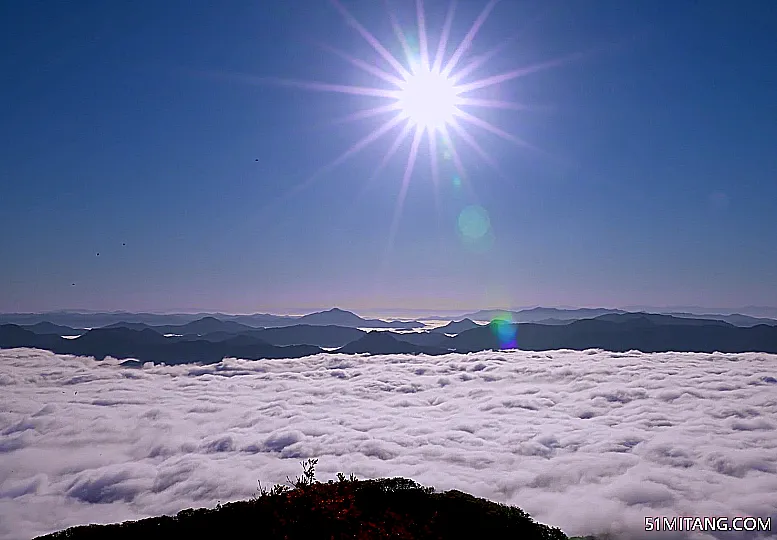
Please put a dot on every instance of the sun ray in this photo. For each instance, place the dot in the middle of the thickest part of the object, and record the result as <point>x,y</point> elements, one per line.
<point>474,120</point>
<point>516,73</point>
<point>466,43</point>
<point>400,138</point>
<point>303,84</point>
<point>478,61</point>
<point>470,140</point>
<point>323,87</point>
<point>366,113</point>
<point>358,146</point>
<point>432,135</point>
<point>372,40</point>
<point>362,114</point>
<point>423,43</point>
<point>457,163</point>
<point>433,156</point>
<point>494,104</point>
<point>369,139</point>
<point>443,43</point>
<point>399,33</point>
<point>369,68</point>
<point>411,159</point>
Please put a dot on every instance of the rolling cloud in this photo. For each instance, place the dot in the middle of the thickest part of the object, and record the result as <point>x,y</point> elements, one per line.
<point>588,441</point>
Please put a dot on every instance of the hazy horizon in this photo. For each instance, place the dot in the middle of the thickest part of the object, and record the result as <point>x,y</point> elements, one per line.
<point>755,311</point>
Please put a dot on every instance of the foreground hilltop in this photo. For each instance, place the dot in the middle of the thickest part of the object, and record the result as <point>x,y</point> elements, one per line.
<point>395,508</point>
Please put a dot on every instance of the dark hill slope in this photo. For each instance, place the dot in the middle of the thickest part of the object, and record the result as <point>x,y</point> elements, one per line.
<point>639,333</point>
<point>425,339</point>
<point>12,335</point>
<point>308,334</point>
<point>45,327</point>
<point>205,325</point>
<point>386,343</point>
<point>658,319</point>
<point>149,346</point>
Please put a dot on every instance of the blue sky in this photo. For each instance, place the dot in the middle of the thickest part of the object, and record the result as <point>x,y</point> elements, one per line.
<point>129,130</point>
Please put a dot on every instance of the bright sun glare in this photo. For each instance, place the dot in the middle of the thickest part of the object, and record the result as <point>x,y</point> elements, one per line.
<point>431,95</point>
<point>428,99</point>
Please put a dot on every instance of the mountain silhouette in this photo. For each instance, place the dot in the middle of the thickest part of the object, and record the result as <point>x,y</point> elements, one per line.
<point>133,326</point>
<point>309,334</point>
<point>300,334</point>
<point>554,321</point>
<point>424,339</point>
<point>736,319</point>
<point>377,342</point>
<point>95,319</point>
<point>149,346</point>
<point>643,332</point>
<point>45,327</point>
<point>340,317</point>
<point>13,336</point>
<point>655,318</point>
<point>260,320</point>
<point>539,313</point>
<point>456,327</point>
<point>218,336</point>
<point>205,325</point>
<point>646,332</point>
<point>558,316</point>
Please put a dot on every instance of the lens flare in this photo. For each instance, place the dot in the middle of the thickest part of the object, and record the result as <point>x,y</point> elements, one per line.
<point>474,222</point>
<point>505,331</point>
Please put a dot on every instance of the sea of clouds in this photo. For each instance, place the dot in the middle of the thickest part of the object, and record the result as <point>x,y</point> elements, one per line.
<point>588,441</point>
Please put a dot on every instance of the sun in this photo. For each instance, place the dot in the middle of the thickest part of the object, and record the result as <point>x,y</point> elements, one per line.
<point>432,97</point>
<point>428,99</point>
<point>430,92</point>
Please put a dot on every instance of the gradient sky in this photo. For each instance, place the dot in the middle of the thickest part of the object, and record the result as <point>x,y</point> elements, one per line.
<point>130,123</point>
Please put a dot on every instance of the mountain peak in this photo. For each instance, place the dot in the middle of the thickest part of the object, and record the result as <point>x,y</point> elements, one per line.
<point>207,318</point>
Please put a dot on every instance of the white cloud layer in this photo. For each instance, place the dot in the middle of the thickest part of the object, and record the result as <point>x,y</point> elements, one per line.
<point>588,441</point>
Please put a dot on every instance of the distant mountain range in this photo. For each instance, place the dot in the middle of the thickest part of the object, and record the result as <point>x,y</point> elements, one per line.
<point>205,325</point>
<point>387,343</point>
<point>75,320</point>
<point>562,316</point>
<point>149,346</point>
<point>208,339</point>
<point>540,313</point>
<point>340,317</point>
<point>623,332</point>
<point>697,311</point>
<point>173,323</point>
<point>455,327</point>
